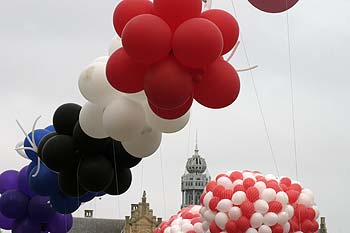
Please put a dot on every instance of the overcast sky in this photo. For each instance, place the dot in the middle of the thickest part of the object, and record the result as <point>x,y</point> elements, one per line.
<point>44,45</point>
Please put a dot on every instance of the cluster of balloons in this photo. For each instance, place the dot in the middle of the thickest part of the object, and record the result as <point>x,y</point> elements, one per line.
<point>85,166</point>
<point>251,202</point>
<point>23,211</point>
<point>170,53</point>
<point>187,220</point>
<point>248,202</point>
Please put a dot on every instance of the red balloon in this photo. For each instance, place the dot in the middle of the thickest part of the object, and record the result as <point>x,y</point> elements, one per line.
<point>239,187</point>
<point>219,176</point>
<point>274,185</point>
<point>292,196</point>
<point>218,190</point>
<point>311,214</point>
<point>315,226</point>
<point>210,186</point>
<point>197,43</point>
<point>243,223</point>
<point>296,187</point>
<point>275,206</point>
<point>277,228</point>
<point>226,194</point>
<point>124,74</point>
<point>294,225</point>
<point>214,228</point>
<point>176,12</point>
<point>195,220</point>
<point>306,226</point>
<point>249,182</point>
<point>300,212</point>
<point>261,178</point>
<point>273,6</point>
<point>228,26</point>
<point>147,38</point>
<point>201,199</point>
<point>247,209</point>
<point>128,9</point>
<point>219,86</point>
<point>213,203</point>
<point>174,113</point>
<point>231,227</point>
<point>286,181</point>
<point>168,85</point>
<point>236,175</point>
<point>252,194</point>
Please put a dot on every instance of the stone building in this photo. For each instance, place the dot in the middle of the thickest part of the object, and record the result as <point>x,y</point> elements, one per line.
<point>141,220</point>
<point>194,180</point>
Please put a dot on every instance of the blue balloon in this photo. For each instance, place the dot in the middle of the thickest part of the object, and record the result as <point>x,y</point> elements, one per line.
<point>45,183</point>
<point>87,197</point>
<point>64,204</point>
<point>38,135</point>
<point>50,128</point>
<point>30,168</point>
<point>100,194</point>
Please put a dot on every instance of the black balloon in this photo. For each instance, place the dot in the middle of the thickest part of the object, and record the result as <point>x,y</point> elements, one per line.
<point>68,182</point>
<point>88,145</point>
<point>43,141</point>
<point>95,173</point>
<point>65,118</point>
<point>116,153</point>
<point>120,183</point>
<point>58,151</point>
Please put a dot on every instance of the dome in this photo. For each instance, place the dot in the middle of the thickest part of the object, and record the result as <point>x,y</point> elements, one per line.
<point>196,164</point>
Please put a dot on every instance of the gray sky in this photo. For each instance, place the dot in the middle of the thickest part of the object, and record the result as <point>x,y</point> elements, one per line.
<point>45,44</point>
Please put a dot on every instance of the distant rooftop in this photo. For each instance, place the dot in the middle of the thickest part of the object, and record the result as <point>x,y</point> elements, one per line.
<point>96,225</point>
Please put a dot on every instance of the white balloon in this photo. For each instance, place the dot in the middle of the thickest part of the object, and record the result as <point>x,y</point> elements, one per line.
<point>270,177</point>
<point>224,205</point>
<point>268,194</point>
<point>185,221</point>
<point>145,144</point>
<point>235,213</point>
<point>186,227</point>
<point>115,44</point>
<point>209,215</point>
<point>90,120</point>
<point>175,229</point>
<point>165,125</point>
<point>305,199</point>
<point>124,119</point>
<point>283,218</point>
<point>237,182</point>
<point>221,220</point>
<point>282,197</point>
<point>316,211</point>
<point>202,210</point>
<point>198,227</point>
<point>103,59</point>
<point>256,220</point>
<point>286,227</point>
<point>270,219</point>
<point>261,206</point>
<point>208,196</point>
<point>238,197</point>
<point>176,222</point>
<point>261,186</point>
<point>195,209</point>
<point>290,211</point>
<point>248,175</point>
<point>205,226</point>
<point>264,229</point>
<point>251,230</point>
<point>226,182</point>
<point>94,86</point>
<point>167,230</point>
<point>138,96</point>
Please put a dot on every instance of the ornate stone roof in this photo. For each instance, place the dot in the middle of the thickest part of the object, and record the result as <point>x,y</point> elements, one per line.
<point>196,164</point>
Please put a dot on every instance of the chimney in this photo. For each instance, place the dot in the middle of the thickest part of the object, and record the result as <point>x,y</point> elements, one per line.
<point>88,213</point>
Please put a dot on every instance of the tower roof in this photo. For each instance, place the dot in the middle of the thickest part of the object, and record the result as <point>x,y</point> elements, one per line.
<point>196,164</point>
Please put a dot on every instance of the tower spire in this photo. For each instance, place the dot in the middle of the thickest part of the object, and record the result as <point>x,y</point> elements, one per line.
<point>196,150</point>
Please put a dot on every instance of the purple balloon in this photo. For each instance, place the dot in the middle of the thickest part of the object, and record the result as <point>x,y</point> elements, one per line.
<point>13,204</point>
<point>5,222</point>
<point>60,223</point>
<point>8,180</point>
<point>26,226</point>
<point>40,209</point>
<point>23,184</point>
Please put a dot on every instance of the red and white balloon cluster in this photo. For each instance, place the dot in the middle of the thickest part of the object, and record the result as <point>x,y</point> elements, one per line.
<point>187,220</point>
<point>238,202</point>
<point>173,52</point>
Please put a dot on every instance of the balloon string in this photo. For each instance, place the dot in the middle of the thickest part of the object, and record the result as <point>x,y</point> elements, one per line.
<point>257,98</point>
<point>33,137</point>
<point>247,69</point>
<point>234,49</point>
<point>116,177</point>
<point>162,179</point>
<point>141,177</point>
<point>26,136</point>
<point>24,148</point>
<point>33,129</point>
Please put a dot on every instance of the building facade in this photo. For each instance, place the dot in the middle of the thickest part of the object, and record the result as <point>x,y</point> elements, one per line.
<point>194,180</point>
